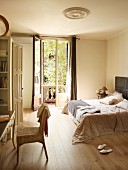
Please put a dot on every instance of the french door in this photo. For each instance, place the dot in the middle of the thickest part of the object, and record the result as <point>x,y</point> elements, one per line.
<point>50,68</point>
<point>37,73</point>
<point>62,88</point>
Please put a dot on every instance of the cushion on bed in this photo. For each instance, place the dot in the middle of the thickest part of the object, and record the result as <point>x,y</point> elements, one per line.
<point>108,100</point>
<point>111,100</point>
<point>119,97</point>
<point>116,93</point>
<point>123,104</point>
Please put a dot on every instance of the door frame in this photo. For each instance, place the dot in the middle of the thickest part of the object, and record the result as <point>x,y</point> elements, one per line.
<point>37,99</point>
<point>63,97</point>
<point>41,95</point>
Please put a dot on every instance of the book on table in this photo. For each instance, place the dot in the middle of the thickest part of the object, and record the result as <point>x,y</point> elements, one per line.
<point>4,118</point>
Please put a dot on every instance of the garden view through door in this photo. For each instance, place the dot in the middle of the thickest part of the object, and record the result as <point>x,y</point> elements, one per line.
<point>50,68</point>
<point>55,71</point>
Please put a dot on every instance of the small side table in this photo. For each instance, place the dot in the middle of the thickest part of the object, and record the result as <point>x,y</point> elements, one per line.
<point>100,96</point>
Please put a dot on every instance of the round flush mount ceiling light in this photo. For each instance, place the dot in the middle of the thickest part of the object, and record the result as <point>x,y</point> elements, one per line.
<point>76,12</point>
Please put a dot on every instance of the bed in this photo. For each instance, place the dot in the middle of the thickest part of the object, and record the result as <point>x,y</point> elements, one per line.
<point>98,117</point>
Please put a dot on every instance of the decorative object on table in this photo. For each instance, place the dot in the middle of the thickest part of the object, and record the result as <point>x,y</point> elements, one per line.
<point>103,92</point>
<point>4,26</point>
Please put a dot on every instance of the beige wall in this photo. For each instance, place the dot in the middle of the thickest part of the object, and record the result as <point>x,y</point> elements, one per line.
<point>91,67</point>
<point>117,59</point>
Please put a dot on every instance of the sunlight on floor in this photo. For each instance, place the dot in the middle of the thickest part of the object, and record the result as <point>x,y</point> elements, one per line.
<point>30,117</point>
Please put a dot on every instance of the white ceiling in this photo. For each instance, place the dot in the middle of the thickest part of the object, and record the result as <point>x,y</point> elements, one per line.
<point>107,17</point>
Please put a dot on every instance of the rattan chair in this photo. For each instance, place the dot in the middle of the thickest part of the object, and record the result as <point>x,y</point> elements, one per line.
<point>34,134</point>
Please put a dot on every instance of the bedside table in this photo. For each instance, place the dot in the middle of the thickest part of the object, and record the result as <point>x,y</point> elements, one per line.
<point>100,96</point>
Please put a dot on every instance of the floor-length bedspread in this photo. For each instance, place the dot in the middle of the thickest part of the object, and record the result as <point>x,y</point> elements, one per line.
<point>100,124</point>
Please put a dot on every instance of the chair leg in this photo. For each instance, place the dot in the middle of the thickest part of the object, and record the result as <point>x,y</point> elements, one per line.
<point>45,150</point>
<point>17,154</point>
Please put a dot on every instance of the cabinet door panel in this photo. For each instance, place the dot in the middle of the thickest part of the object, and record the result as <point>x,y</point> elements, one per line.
<point>5,74</point>
<point>17,82</point>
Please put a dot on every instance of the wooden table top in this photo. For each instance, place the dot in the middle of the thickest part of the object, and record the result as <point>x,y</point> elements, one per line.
<point>4,124</point>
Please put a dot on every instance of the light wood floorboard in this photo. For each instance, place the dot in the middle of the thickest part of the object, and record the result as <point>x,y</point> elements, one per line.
<point>62,154</point>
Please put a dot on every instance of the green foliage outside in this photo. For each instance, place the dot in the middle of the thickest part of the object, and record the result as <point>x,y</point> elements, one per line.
<point>50,63</point>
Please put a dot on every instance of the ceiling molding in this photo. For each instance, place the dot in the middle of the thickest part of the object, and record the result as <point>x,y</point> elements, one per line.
<point>91,38</point>
<point>16,34</point>
<point>118,34</point>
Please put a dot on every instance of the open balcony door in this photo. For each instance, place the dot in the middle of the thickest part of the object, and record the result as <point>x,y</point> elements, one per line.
<point>37,73</point>
<point>62,85</point>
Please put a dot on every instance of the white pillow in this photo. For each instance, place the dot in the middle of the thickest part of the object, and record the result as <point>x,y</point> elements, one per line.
<point>116,93</point>
<point>123,104</point>
<point>110,100</point>
<point>118,96</point>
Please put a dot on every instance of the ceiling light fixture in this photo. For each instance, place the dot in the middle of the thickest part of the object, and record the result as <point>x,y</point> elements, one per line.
<point>76,12</point>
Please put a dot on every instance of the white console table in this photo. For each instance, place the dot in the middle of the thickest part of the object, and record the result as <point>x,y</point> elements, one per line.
<point>7,127</point>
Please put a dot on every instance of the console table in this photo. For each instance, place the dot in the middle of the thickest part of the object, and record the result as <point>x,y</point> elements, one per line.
<point>5,127</point>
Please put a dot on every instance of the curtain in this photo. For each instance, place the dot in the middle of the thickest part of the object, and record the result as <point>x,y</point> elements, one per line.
<point>73,95</point>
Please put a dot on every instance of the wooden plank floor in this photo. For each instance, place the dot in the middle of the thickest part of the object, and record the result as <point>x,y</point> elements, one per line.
<point>62,154</point>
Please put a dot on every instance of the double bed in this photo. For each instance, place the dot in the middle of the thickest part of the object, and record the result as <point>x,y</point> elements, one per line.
<point>100,116</point>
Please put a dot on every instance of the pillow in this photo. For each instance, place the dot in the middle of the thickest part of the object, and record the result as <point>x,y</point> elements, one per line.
<point>110,100</point>
<point>123,104</point>
<point>116,93</point>
<point>118,96</point>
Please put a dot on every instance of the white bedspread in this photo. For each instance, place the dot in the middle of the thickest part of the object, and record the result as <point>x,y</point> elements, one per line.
<point>98,119</point>
<point>95,107</point>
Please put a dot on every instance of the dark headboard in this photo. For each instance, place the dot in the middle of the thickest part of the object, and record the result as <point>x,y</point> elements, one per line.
<point>121,85</point>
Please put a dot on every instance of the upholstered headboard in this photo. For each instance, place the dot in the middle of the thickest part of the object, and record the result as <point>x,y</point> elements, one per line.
<point>121,85</point>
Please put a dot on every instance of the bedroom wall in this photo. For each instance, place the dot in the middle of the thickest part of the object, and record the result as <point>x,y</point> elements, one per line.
<point>91,67</point>
<point>117,59</point>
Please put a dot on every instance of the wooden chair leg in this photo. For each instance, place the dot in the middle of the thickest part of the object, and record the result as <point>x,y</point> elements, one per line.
<point>45,150</point>
<point>13,132</point>
<point>17,154</point>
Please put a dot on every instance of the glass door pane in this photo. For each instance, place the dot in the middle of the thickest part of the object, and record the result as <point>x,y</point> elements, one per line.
<point>61,73</point>
<point>62,66</point>
<point>36,97</point>
<point>49,71</point>
<point>37,67</point>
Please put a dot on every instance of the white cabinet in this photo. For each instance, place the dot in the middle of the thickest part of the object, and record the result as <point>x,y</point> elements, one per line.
<point>5,74</point>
